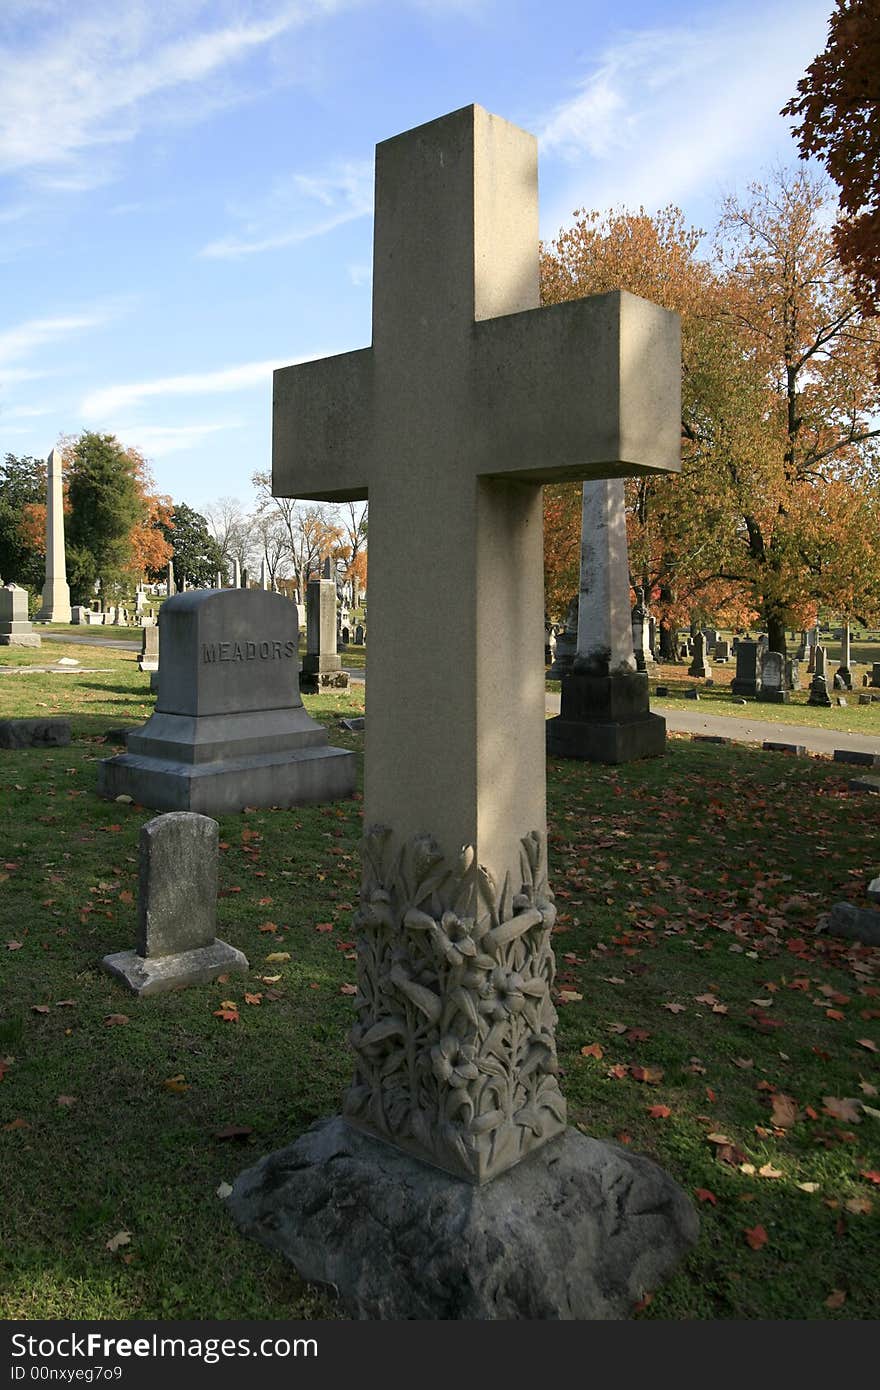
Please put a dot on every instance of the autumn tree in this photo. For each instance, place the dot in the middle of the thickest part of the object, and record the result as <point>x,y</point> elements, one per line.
<point>839,105</point>
<point>231,529</point>
<point>311,530</point>
<point>22,521</point>
<point>777,400</point>
<point>106,498</point>
<point>196,554</point>
<point>803,488</point>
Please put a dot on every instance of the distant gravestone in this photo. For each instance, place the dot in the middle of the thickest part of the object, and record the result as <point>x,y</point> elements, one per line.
<point>747,680</point>
<point>149,657</point>
<point>699,664</point>
<point>177,909</point>
<point>566,642</point>
<point>792,673</point>
<point>56,593</point>
<point>322,665</point>
<point>80,614</point>
<point>819,684</point>
<point>359,635</point>
<point>875,674</point>
<point>641,636</point>
<point>722,651</point>
<point>229,728</point>
<point>843,675</point>
<point>772,688</point>
<point>15,627</point>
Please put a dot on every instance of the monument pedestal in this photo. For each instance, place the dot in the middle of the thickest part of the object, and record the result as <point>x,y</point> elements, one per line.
<point>606,719</point>
<point>578,1230</point>
<point>158,974</point>
<point>321,671</point>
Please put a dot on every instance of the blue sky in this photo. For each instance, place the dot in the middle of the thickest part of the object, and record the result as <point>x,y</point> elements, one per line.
<point>186,185</point>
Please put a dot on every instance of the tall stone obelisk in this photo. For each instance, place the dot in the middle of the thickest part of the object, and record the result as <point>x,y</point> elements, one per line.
<point>56,594</point>
<point>605,715</point>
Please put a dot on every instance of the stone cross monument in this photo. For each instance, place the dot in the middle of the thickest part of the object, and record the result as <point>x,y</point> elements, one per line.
<point>470,397</point>
<point>56,594</point>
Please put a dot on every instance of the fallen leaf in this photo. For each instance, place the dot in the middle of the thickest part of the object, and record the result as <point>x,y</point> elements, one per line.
<point>39,1008</point>
<point>233,1132</point>
<point>659,1112</point>
<point>253,998</point>
<point>637,1035</point>
<point>835,1299</point>
<point>615,1028</point>
<point>569,996</point>
<point>652,1076</point>
<point>835,1015</point>
<point>784,1110</point>
<point>593,1050</point>
<point>278,955</point>
<point>842,1108</point>
<point>13,945</point>
<point>227,1015</point>
<point>352,989</point>
<point>755,1236</point>
<point>859,1206</point>
<point>323,926</point>
<point>675,1008</point>
<point>705,999</point>
<point>768,1171</point>
<point>867,1043</point>
<point>867,1089</point>
<point>618,1071</point>
<point>718,1139</point>
<point>270,979</point>
<point>115,1020</point>
<point>178,1084</point>
<point>808,1186</point>
<point>18,1123</point>
<point>643,1303</point>
<point>268,927</point>
<point>871,1174</point>
<point>224,1190</point>
<point>67,1100</point>
<point>121,1238</point>
<point>704,1194</point>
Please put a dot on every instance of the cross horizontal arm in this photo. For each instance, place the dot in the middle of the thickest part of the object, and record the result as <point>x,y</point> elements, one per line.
<point>322,425</point>
<point>586,389</point>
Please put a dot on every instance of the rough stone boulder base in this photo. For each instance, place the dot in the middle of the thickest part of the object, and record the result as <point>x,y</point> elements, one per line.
<point>580,1231</point>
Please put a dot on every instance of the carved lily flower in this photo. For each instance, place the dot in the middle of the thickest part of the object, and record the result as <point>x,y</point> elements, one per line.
<point>454,938</point>
<point>453,1062</point>
<point>504,994</point>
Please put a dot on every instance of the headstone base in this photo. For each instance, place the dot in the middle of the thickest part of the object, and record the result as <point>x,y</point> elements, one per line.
<point>579,1230</point>
<point>606,719</point>
<point>20,639</point>
<point>296,778</point>
<point>773,697</point>
<point>314,682</point>
<point>157,974</point>
<point>744,687</point>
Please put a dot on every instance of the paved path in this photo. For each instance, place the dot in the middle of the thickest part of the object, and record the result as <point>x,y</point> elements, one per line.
<point>742,730</point>
<point>748,730</point>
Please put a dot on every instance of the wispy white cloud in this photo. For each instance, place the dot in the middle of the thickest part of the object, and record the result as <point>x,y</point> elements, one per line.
<point>665,112</point>
<point>92,75</point>
<point>26,412</point>
<point>27,337</point>
<point>108,400</point>
<point>159,440</point>
<point>288,214</point>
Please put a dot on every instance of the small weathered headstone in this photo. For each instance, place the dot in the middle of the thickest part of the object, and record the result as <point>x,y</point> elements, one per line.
<point>359,635</point>
<point>641,636</point>
<point>80,614</point>
<point>177,943</point>
<point>772,688</point>
<point>722,650</point>
<point>15,627</point>
<point>149,657</point>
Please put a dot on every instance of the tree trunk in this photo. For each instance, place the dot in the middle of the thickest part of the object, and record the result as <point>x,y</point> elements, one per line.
<point>776,632</point>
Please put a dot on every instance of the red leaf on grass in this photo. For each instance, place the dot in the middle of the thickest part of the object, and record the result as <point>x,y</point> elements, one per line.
<point>233,1132</point>
<point>227,1015</point>
<point>323,926</point>
<point>18,1123</point>
<point>659,1112</point>
<point>593,1050</point>
<point>704,1194</point>
<point>755,1236</point>
<point>348,989</point>
<point>652,1076</point>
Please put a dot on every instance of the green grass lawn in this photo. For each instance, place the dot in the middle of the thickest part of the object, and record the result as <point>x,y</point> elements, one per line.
<point>701,1021</point>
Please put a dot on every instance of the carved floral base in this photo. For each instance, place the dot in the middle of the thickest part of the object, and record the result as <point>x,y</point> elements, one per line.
<point>456,1056</point>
